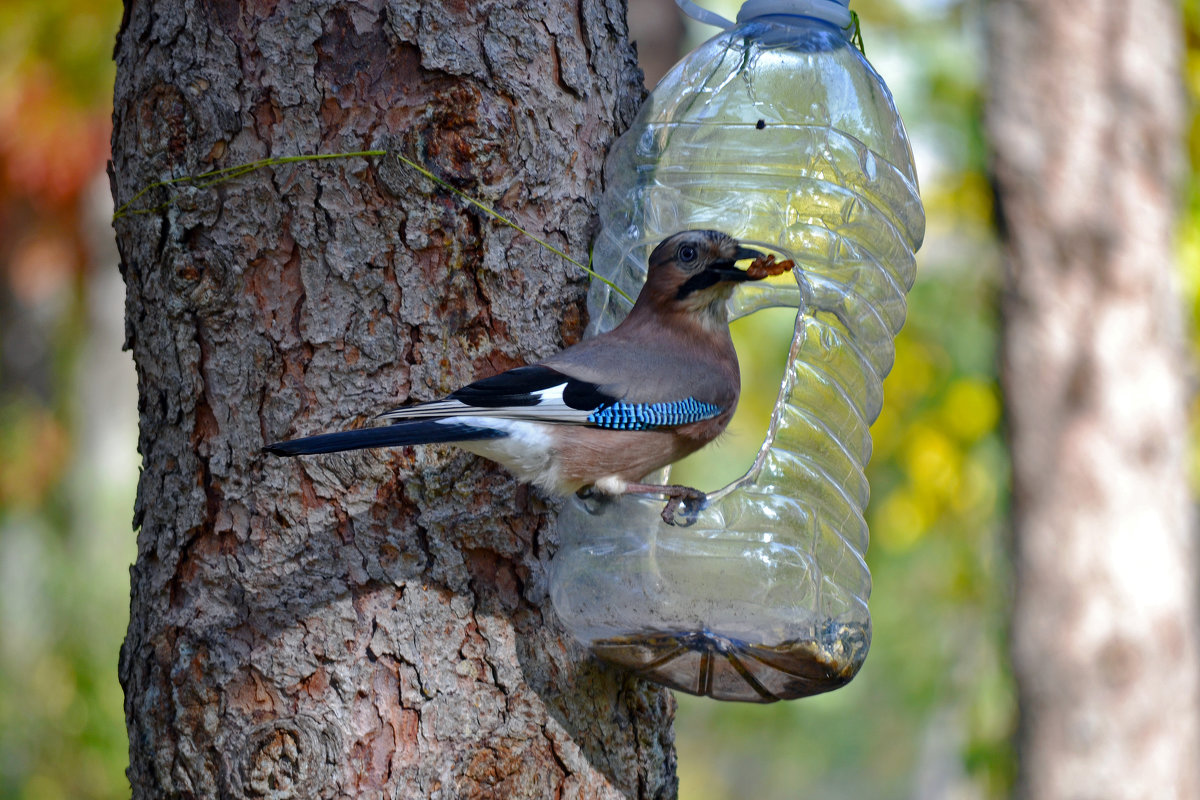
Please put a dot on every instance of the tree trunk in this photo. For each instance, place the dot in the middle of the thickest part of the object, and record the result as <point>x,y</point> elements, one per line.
<point>372,623</point>
<point>1085,121</point>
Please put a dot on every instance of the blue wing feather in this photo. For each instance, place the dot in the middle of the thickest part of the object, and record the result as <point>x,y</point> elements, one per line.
<point>647,416</point>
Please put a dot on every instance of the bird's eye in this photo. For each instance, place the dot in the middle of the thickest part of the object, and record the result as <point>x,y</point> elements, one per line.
<point>687,253</point>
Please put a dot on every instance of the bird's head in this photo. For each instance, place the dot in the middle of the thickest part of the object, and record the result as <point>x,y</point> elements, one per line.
<point>695,272</point>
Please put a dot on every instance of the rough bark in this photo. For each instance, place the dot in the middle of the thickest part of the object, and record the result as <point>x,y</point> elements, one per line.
<point>1085,121</point>
<point>373,624</point>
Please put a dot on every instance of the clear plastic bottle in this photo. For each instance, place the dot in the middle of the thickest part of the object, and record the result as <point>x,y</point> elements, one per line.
<point>780,133</point>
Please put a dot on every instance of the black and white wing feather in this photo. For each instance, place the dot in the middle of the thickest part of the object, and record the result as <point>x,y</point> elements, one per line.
<point>530,393</point>
<point>510,404</point>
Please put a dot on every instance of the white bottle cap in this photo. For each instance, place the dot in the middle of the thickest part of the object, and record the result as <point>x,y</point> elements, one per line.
<point>835,12</point>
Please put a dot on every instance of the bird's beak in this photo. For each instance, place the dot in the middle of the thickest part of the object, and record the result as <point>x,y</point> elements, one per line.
<point>749,253</point>
<point>726,269</point>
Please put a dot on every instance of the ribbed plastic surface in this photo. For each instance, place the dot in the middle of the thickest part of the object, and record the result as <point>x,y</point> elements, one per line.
<point>779,133</point>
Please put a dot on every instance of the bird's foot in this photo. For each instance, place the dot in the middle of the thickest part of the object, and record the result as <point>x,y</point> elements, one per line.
<point>683,499</point>
<point>592,499</point>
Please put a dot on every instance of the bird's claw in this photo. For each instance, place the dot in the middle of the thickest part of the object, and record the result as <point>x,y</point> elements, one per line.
<point>689,503</point>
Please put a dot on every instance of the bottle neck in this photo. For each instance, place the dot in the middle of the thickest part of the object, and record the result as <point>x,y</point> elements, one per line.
<point>834,12</point>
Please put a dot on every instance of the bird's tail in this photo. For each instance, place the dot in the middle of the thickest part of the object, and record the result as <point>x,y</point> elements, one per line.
<point>396,435</point>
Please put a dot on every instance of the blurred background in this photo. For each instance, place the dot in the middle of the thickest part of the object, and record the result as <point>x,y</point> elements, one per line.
<point>932,713</point>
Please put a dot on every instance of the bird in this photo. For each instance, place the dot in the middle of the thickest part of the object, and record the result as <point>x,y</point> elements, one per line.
<point>601,415</point>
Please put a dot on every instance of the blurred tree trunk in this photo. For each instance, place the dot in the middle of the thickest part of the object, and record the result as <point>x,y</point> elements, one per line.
<point>1085,120</point>
<point>657,30</point>
<point>373,623</point>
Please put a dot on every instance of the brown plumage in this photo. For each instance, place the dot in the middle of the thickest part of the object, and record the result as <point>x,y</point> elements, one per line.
<point>608,411</point>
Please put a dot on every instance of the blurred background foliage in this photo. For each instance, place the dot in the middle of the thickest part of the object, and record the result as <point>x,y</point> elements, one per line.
<point>1189,222</point>
<point>931,715</point>
<point>68,409</point>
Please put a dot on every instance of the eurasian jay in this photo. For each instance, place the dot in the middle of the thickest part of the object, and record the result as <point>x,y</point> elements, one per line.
<point>603,414</point>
